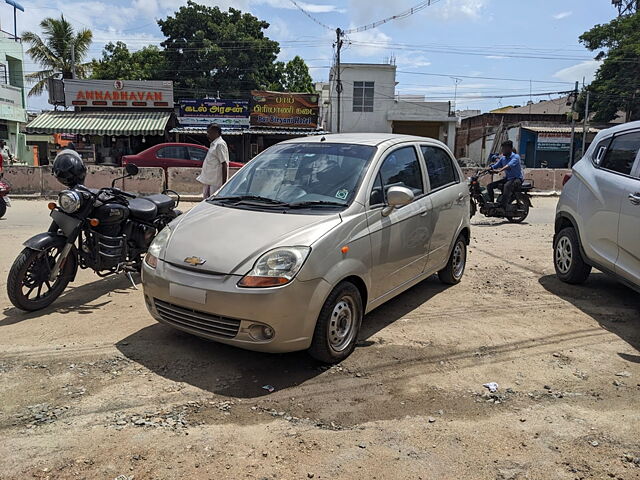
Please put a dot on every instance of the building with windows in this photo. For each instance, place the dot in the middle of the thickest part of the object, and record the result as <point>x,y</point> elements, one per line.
<point>369,104</point>
<point>13,114</point>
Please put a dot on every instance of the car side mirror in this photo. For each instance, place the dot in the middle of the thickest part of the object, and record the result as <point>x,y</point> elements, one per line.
<point>131,169</point>
<point>397,197</point>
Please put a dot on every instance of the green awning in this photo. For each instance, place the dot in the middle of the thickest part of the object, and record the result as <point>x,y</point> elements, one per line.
<point>101,123</point>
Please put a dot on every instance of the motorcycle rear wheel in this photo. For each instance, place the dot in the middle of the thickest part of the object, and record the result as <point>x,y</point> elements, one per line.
<point>30,274</point>
<point>523,208</point>
<point>3,207</point>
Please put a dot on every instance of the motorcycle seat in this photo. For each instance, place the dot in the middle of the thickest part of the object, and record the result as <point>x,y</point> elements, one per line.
<point>163,202</point>
<point>142,209</point>
<point>526,185</point>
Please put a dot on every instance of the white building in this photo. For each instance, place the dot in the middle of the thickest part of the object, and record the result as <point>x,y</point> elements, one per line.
<point>369,104</point>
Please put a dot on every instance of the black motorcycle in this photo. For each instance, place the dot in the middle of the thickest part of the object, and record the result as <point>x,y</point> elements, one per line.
<point>107,230</point>
<point>517,207</point>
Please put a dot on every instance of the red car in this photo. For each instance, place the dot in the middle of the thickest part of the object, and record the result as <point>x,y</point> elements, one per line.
<point>167,155</point>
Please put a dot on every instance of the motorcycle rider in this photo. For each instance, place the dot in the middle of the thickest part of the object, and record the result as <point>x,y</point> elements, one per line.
<point>508,162</point>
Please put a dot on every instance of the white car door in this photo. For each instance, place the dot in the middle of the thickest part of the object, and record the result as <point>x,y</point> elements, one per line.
<point>628,263</point>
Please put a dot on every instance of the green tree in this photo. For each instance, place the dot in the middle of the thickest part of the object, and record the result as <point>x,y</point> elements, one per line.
<point>53,52</point>
<point>210,51</point>
<point>118,62</point>
<point>617,83</point>
<point>293,77</point>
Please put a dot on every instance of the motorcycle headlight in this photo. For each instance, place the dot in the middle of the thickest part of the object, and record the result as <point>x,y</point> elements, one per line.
<point>276,267</point>
<point>69,201</point>
<point>157,247</point>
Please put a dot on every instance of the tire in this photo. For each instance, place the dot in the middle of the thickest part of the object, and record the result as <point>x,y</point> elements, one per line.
<point>453,272</point>
<point>472,208</point>
<point>567,257</point>
<point>343,308</point>
<point>524,205</point>
<point>3,207</point>
<point>29,271</point>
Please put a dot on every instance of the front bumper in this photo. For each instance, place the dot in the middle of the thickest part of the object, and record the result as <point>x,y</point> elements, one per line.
<point>214,307</point>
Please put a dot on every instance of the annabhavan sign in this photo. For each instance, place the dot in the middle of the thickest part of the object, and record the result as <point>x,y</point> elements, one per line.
<point>118,93</point>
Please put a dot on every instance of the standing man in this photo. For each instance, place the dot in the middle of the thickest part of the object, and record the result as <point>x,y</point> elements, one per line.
<point>509,162</point>
<point>215,168</point>
<point>7,158</point>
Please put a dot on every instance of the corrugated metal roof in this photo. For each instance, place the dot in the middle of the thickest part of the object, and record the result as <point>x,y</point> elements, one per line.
<point>101,123</point>
<point>255,131</point>
<point>559,129</point>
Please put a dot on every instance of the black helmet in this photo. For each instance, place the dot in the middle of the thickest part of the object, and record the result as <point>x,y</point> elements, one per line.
<point>69,169</point>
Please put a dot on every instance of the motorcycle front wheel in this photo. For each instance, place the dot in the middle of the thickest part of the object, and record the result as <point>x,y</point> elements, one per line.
<point>28,285</point>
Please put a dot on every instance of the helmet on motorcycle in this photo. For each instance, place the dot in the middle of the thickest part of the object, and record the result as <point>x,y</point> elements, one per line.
<point>68,168</point>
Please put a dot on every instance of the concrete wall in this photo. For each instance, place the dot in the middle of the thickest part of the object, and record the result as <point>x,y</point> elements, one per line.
<point>183,180</point>
<point>544,179</point>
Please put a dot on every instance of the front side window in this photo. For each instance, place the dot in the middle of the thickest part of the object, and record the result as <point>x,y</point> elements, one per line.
<point>363,96</point>
<point>440,167</point>
<point>303,172</point>
<point>622,153</point>
<point>401,168</point>
<point>172,152</point>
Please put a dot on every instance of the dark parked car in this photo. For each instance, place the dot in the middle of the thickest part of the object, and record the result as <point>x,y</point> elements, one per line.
<point>167,155</point>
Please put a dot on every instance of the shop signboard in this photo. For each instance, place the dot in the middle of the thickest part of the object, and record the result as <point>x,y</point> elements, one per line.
<point>11,104</point>
<point>139,94</point>
<point>284,110</point>
<point>226,113</point>
<point>554,141</point>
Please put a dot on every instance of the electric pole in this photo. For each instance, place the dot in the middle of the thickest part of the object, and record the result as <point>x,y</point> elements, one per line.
<point>339,35</point>
<point>585,124</point>
<point>573,124</point>
<point>73,61</point>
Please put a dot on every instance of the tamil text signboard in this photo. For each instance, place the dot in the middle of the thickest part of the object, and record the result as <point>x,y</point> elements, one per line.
<point>554,141</point>
<point>118,93</point>
<point>226,113</point>
<point>284,110</point>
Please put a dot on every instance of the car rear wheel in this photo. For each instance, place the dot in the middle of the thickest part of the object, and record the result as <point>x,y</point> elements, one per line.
<point>567,258</point>
<point>338,325</point>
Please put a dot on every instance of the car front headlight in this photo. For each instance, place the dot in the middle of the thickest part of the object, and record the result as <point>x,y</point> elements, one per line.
<point>276,267</point>
<point>69,201</point>
<point>157,247</point>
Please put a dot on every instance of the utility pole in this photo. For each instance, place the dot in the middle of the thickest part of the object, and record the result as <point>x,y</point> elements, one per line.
<point>73,61</point>
<point>339,35</point>
<point>585,124</point>
<point>573,124</point>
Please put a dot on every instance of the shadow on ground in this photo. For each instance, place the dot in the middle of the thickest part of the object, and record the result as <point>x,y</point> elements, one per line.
<point>74,299</point>
<point>230,371</point>
<point>614,306</point>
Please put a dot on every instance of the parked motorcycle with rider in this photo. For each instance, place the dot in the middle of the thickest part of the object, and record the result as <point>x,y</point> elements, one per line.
<point>107,230</point>
<point>514,201</point>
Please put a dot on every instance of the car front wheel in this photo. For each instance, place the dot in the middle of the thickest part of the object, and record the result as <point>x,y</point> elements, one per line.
<point>567,258</point>
<point>338,325</point>
<point>452,273</point>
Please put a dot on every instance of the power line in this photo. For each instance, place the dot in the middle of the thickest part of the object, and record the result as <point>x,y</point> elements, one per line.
<point>399,16</point>
<point>311,17</point>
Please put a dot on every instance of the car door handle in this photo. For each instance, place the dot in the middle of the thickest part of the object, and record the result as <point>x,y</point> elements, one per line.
<point>424,212</point>
<point>634,198</point>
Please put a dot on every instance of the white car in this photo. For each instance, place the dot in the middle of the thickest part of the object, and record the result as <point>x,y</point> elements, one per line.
<point>598,215</point>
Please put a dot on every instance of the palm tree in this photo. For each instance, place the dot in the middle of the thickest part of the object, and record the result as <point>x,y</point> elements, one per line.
<point>53,51</point>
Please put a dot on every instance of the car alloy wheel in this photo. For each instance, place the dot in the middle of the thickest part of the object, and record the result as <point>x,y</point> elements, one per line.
<point>564,254</point>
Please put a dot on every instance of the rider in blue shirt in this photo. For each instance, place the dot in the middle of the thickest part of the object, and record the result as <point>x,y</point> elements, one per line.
<point>509,162</point>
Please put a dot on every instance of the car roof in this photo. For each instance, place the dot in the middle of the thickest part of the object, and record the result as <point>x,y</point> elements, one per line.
<point>620,128</point>
<point>178,144</point>
<point>372,139</point>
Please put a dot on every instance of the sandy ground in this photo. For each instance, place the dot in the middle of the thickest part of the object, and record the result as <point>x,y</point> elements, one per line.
<point>93,388</point>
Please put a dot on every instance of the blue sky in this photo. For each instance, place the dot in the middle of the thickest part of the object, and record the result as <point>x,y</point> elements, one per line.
<point>535,41</point>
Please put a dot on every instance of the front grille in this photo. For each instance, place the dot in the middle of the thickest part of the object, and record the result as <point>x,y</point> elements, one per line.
<point>200,322</point>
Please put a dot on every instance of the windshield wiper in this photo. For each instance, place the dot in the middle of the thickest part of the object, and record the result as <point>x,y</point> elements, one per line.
<point>317,203</point>
<point>250,198</point>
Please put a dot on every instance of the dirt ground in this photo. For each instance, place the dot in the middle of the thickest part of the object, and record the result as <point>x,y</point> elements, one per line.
<point>93,388</point>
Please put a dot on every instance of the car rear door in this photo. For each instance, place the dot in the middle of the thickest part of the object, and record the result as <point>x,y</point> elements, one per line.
<point>399,240</point>
<point>173,156</point>
<point>196,156</point>
<point>628,263</point>
<point>448,200</point>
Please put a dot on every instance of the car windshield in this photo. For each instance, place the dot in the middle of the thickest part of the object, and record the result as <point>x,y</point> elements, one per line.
<point>300,175</point>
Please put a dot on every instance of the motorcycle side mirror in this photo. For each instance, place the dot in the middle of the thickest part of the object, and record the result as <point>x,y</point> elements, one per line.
<point>131,169</point>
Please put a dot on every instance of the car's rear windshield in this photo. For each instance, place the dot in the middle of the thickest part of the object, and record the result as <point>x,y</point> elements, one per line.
<point>303,173</point>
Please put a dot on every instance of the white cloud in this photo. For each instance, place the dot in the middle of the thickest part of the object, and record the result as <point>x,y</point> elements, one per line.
<point>561,15</point>
<point>495,57</point>
<point>457,9</point>
<point>412,61</point>
<point>586,70</point>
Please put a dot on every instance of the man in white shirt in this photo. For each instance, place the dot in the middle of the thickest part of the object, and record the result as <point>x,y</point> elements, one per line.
<point>215,168</point>
<point>7,158</point>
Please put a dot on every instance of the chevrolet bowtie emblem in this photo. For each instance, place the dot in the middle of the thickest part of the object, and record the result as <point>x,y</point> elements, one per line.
<point>194,261</point>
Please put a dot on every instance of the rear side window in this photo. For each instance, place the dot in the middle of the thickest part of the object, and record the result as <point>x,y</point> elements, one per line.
<point>197,154</point>
<point>402,168</point>
<point>172,152</point>
<point>439,167</point>
<point>622,153</point>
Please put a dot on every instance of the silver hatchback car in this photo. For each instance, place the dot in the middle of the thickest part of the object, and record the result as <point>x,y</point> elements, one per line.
<point>307,238</point>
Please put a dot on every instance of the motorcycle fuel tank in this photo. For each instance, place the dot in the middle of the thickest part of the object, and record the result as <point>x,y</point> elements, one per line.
<point>111,213</point>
